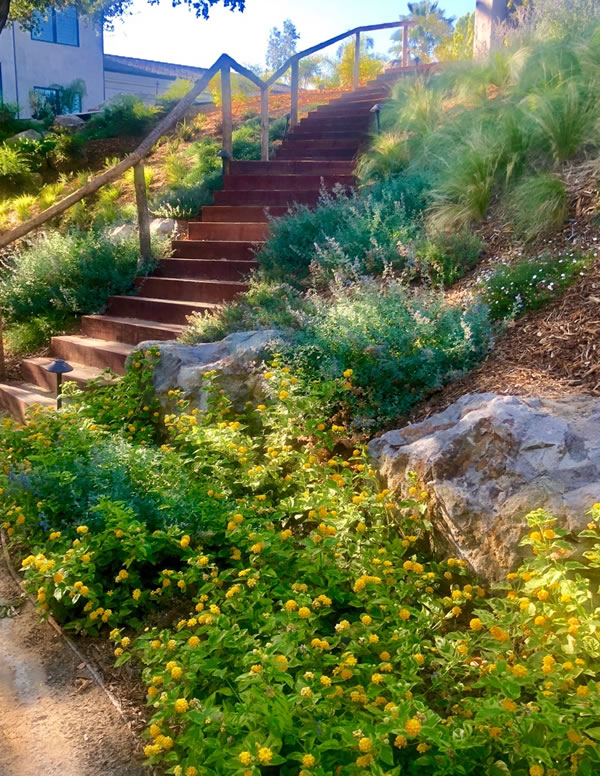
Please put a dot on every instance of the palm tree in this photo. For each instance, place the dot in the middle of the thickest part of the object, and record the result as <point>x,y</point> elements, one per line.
<point>432,26</point>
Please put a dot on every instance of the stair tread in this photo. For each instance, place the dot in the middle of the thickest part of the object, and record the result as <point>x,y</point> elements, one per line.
<point>80,371</point>
<point>174,327</point>
<point>204,281</point>
<point>115,347</point>
<point>211,305</point>
<point>28,393</point>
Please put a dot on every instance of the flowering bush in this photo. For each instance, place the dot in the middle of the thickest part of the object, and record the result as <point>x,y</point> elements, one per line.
<point>320,635</point>
<point>516,289</point>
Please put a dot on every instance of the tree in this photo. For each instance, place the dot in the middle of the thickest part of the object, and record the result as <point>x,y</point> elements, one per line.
<point>432,26</point>
<point>282,45</point>
<point>370,64</point>
<point>311,70</point>
<point>458,45</point>
<point>26,12</point>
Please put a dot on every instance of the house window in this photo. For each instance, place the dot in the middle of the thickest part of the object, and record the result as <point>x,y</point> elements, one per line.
<point>58,27</point>
<point>49,96</point>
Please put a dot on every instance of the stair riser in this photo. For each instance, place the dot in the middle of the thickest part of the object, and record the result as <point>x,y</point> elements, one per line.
<point>306,133</point>
<point>89,355</point>
<point>180,290</point>
<point>239,213</point>
<point>207,249</point>
<point>299,144</point>
<point>200,230</point>
<point>268,169</point>
<point>163,312</point>
<point>265,198</point>
<point>205,270</point>
<point>127,333</point>
<point>289,182</point>
<point>37,375</point>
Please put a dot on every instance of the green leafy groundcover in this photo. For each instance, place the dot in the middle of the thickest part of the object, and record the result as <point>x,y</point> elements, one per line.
<point>322,637</point>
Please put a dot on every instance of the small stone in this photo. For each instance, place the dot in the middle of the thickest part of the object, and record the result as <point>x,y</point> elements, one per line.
<point>27,134</point>
<point>69,121</point>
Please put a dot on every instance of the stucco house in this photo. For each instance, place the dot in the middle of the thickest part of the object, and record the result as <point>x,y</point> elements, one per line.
<point>63,48</point>
<point>67,47</point>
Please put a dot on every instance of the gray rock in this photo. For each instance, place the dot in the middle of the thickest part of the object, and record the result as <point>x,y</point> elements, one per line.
<point>122,232</point>
<point>69,121</point>
<point>163,226</point>
<point>489,460</point>
<point>27,134</point>
<point>183,366</point>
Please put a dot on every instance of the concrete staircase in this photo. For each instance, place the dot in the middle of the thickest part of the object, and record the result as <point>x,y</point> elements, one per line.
<point>210,266</point>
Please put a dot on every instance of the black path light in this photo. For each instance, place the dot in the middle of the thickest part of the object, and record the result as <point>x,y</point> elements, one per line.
<point>376,109</point>
<point>59,368</point>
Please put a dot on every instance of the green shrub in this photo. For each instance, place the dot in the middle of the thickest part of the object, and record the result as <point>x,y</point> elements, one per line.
<point>30,336</point>
<point>125,116</point>
<point>361,233</point>
<point>538,204</point>
<point>516,289</point>
<point>185,202</point>
<point>74,273</point>
<point>446,258</point>
<point>387,155</point>
<point>400,345</point>
<point>266,305</point>
<point>15,167</point>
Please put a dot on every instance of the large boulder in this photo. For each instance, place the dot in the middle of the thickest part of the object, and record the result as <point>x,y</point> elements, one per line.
<point>118,234</point>
<point>69,122</point>
<point>163,226</point>
<point>488,460</point>
<point>233,358</point>
<point>27,134</point>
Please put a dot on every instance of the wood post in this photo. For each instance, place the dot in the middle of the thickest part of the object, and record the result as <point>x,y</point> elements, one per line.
<point>226,109</point>
<point>294,86</point>
<point>356,60</point>
<point>405,46</point>
<point>2,361</point>
<point>141,199</point>
<point>264,124</point>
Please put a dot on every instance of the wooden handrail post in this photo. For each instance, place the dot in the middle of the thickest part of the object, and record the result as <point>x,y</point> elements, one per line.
<point>141,198</point>
<point>294,87</point>
<point>356,60</point>
<point>405,46</point>
<point>264,124</point>
<point>2,361</point>
<point>226,108</point>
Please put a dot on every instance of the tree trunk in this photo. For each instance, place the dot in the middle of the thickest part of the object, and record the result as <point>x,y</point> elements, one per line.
<point>4,10</point>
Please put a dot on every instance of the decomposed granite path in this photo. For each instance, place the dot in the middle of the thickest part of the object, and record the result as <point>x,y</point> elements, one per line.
<point>54,721</point>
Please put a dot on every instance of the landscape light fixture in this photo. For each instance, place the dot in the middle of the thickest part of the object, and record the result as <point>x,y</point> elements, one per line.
<point>226,158</point>
<point>376,109</point>
<point>58,368</point>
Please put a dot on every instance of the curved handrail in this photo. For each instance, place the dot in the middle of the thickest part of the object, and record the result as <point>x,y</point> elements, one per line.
<point>223,64</point>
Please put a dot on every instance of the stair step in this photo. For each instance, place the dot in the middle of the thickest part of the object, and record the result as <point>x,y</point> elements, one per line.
<point>209,269</point>
<point>275,167</point>
<point>297,141</point>
<point>17,398</point>
<point>35,373</point>
<point>160,310</point>
<point>90,351</point>
<point>228,230</point>
<point>265,197</point>
<point>191,290</point>
<point>241,213</point>
<point>131,331</point>
<point>215,249</point>
<point>295,182</point>
<point>316,153</point>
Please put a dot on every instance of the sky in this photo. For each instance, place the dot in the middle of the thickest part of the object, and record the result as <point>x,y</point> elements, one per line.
<point>168,34</point>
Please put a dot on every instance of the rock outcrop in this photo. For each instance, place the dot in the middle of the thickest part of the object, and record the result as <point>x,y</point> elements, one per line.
<point>234,358</point>
<point>69,121</point>
<point>488,460</point>
<point>27,134</point>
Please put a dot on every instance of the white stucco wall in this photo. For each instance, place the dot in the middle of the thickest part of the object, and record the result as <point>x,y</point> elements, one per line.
<point>38,63</point>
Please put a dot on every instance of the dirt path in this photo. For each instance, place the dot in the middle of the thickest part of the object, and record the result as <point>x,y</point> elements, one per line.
<point>54,720</point>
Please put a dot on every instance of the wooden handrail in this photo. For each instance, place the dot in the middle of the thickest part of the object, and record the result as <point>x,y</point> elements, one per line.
<point>223,65</point>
